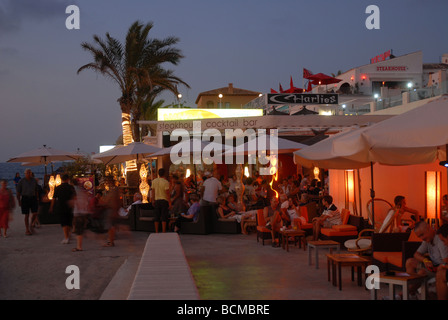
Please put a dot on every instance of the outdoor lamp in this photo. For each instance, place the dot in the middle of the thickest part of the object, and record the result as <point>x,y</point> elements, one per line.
<point>376,95</point>
<point>246,172</point>
<point>188,173</point>
<point>350,190</point>
<point>58,180</point>
<point>409,85</point>
<point>432,194</point>
<point>144,186</point>
<point>51,185</point>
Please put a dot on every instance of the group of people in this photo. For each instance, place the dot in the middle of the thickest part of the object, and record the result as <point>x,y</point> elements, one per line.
<point>76,209</point>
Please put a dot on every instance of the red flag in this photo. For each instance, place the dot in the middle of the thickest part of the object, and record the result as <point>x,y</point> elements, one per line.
<point>306,73</point>
<point>280,87</point>
<point>273,91</point>
<point>291,83</point>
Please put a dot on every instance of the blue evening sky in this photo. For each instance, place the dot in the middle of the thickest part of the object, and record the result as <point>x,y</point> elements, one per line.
<point>254,44</point>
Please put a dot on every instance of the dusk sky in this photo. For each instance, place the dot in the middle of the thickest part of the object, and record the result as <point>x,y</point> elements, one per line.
<point>254,44</point>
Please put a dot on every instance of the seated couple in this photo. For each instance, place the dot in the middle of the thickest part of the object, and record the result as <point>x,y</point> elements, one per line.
<point>286,216</point>
<point>231,210</point>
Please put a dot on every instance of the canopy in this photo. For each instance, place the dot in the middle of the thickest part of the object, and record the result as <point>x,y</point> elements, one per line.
<point>44,155</point>
<point>133,151</point>
<point>258,144</point>
<point>321,78</point>
<point>329,154</point>
<point>416,137</point>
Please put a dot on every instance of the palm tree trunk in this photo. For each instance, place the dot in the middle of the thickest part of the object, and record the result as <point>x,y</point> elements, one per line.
<point>131,166</point>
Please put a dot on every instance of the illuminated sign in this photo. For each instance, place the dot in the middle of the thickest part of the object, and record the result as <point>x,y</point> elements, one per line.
<point>303,98</point>
<point>392,68</point>
<point>164,114</point>
<point>381,57</point>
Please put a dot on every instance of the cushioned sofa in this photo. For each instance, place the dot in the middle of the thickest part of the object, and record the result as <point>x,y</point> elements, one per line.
<point>220,225</point>
<point>349,229</point>
<point>203,225</point>
<point>391,250</point>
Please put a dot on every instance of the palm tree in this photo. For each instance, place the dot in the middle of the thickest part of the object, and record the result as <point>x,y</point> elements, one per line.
<point>136,66</point>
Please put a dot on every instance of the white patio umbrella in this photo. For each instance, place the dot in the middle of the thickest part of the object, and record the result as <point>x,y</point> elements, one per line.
<point>267,142</point>
<point>44,155</point>
<point>335,152</point>
<point>134,151</point>
<point>416,137</point>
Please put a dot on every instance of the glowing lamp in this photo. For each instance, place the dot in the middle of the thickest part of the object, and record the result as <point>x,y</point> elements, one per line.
<point>144,186</point>
<point>350,185</point>
<point>352,78</point>
<point>188,173</point>
<point>51,185</point>
<point>432,195</point>
<point>246,172</point>
<point>316,172</point>
<point>58,180</point>
<point>363,77</point>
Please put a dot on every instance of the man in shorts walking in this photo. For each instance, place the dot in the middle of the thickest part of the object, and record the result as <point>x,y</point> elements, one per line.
<point>27,196</point>
<point>160,195</point>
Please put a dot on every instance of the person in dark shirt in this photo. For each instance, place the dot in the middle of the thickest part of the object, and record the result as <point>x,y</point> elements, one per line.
<point>63,204</point>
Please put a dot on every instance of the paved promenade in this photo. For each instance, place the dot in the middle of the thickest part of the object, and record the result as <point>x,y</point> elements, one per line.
<point>224,266</point>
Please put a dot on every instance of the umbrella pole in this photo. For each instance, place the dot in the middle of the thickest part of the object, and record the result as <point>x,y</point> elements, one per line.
<point>372,195</point>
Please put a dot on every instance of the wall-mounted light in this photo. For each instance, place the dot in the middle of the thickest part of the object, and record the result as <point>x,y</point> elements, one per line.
<point>350,190</point>
<point>432,195</point>
<point>58,180</point>
<point>188,173</point>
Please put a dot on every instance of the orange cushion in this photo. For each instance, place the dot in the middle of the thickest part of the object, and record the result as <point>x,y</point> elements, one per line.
<point>344,227</point>
<point>330,232</point>
<point>395,258</point>
<point>413,237</point>
<point>380,256</point>
<point>263,229</point>
<point>345,215</point>
<point>304,212</point>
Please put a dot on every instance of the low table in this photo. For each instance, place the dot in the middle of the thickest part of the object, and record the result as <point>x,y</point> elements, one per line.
<point>402,279</point>
<point>326,244</point>
<point>286,234</point>
<point>337,261</point>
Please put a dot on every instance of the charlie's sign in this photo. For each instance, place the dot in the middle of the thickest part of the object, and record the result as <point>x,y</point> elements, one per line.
<point>303,98</point>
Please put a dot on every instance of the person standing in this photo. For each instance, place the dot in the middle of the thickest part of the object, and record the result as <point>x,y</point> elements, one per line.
<point>6,205</point>
<point>27,197</point>
<point>63,204</point>
<point>160,195</point>
<point>80,214</point>
<point>210,190</point>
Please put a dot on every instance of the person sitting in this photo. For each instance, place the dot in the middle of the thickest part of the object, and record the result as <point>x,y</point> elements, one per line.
<point>191,215</point>
<point>429,257</point>
<point>137,199</point>
<point>330,217</point>
<point>394,218</point>
<point>304,199</point>
<point>442,270</point>
<point>235,206</point>
<point>444,209</point>
<point>271,216</point>
<point>223,210</point>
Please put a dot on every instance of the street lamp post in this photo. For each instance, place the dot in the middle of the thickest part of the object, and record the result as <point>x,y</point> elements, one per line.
<point>220,99</point>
